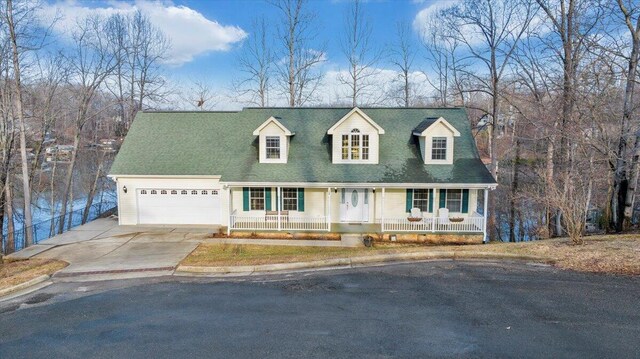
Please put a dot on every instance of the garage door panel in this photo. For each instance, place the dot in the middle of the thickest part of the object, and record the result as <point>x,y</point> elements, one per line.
<point>157,206</point>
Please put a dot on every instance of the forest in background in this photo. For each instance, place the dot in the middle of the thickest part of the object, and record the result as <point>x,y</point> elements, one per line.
<point>549,86</point>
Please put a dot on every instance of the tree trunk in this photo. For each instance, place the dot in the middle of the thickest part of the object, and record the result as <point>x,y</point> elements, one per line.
<point>514,193</point>
<point>23,138</point>
<point>628,110</point>
<point>68,193</point>
<point>92,191</point>
<point>10,245</point>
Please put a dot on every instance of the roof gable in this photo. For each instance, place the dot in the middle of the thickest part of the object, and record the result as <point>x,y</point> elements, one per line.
<point>275,121</point>
<point>423,128</point>
<point>349,114</point>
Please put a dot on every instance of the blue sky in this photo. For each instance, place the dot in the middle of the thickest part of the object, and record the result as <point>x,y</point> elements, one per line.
<point>207,36</point>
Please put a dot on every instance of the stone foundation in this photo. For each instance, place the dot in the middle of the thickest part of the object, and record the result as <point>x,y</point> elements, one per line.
<point>424,238</point>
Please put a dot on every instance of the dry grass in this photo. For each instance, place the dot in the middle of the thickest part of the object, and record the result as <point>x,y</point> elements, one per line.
<point>16,272</point>
<point>247,254</point>
<point>618,254</point>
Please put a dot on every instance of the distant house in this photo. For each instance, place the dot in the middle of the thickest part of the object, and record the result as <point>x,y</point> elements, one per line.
<point>410,173</point>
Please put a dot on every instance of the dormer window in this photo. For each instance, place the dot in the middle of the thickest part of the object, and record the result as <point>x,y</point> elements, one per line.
<point>355,146</point>
<point>272,147</point>
<point>355,138</point>
<point>274,140</point>
<point>436,137</point>
<point>439,148</point>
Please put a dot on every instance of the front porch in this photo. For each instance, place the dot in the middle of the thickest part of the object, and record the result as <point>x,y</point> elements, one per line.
<point>358,210</point>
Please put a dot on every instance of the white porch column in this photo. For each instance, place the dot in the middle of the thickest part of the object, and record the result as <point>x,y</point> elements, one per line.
<point>230,200</point>
<point>381,211</point>
<point>327,209</point>
<point>279,206</point>
<point>436,207</point>
<point>486,206</point>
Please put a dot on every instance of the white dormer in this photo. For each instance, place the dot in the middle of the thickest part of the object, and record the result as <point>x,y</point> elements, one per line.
<point>436,140</point>
<point>356,138</point>
<point>273,138</point>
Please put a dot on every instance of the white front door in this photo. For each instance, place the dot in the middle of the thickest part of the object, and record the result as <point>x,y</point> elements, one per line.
<point>354,206</point>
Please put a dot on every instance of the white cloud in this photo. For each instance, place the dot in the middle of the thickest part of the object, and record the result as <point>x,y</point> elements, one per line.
<point>191,33</point>
<point>424,16</point>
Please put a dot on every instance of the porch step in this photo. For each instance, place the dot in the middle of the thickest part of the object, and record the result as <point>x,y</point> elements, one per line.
<point>352,240</point>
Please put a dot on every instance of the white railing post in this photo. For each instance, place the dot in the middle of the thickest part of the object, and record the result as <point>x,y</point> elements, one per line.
<point>278,206</point>
<point>230,199</point>
<point>382,227</point>
<point>484,215</point>
<point>436,207</point>
<point>327,209</point>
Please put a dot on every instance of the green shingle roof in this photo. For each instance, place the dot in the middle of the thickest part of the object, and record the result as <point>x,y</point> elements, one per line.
<point>426,123</point>
<point>222,143</point>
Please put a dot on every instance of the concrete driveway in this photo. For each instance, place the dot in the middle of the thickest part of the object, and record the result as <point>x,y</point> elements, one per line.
<point>102,246</point>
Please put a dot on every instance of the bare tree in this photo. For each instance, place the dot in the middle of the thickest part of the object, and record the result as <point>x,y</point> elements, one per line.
<point>403,54</point>
<point>626,174</point>
<point>91,62</point>
<point>361,55</point>
<point>256,63</point>
<point>139,48</point>
<point>572,24</point>
<point>199,96</point>
<point>442,55</point>
<point>298,76</point>
<point>17,84</point>
<point>490,32</point>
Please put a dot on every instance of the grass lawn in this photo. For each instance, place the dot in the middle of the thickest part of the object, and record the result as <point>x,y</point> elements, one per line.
<point>619,254</point>
<point>16,272</point>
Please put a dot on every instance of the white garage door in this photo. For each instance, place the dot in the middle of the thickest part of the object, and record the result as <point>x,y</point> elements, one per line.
<point>178,206</point>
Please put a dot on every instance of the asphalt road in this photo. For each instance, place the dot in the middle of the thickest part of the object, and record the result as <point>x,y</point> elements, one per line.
<point>432,309</point>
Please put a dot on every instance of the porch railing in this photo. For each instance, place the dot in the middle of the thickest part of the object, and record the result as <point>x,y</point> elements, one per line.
<point>272,222</point>
<point>473,224</point>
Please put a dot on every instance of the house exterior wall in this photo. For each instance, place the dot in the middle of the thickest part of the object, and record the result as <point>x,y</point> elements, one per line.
<point>356,121</point>
<point>315,199</point>
<point>128,203</point>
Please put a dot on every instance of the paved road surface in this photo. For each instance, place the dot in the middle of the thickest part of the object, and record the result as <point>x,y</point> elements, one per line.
<point>433,309</point>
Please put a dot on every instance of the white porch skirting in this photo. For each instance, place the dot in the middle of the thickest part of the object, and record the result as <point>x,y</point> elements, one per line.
<point>474,224</point>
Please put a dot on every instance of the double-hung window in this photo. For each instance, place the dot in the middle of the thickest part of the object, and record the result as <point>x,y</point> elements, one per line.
<point>272,147</point>
<point>256,198</point>
<point>439,148</point>
<point>454,200</point>
<point>421,199</point>
<point>290,199</point>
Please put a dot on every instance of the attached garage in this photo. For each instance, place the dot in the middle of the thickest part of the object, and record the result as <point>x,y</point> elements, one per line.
<point>178,206</point>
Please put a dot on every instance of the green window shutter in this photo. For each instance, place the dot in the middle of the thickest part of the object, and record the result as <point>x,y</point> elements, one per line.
<point>465,201</point>
<point>245,199</point>
<point>301,199</point>
<point>431,200</point>
<point>267,199</point>
<point>443,198</point>
<point>409,203</point>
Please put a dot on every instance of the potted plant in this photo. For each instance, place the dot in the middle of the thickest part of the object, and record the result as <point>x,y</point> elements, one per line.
<point>456,219</point>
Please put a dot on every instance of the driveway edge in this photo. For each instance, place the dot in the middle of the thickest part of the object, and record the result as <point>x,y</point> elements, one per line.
<point>24,285</point>
<point>351,262</point>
